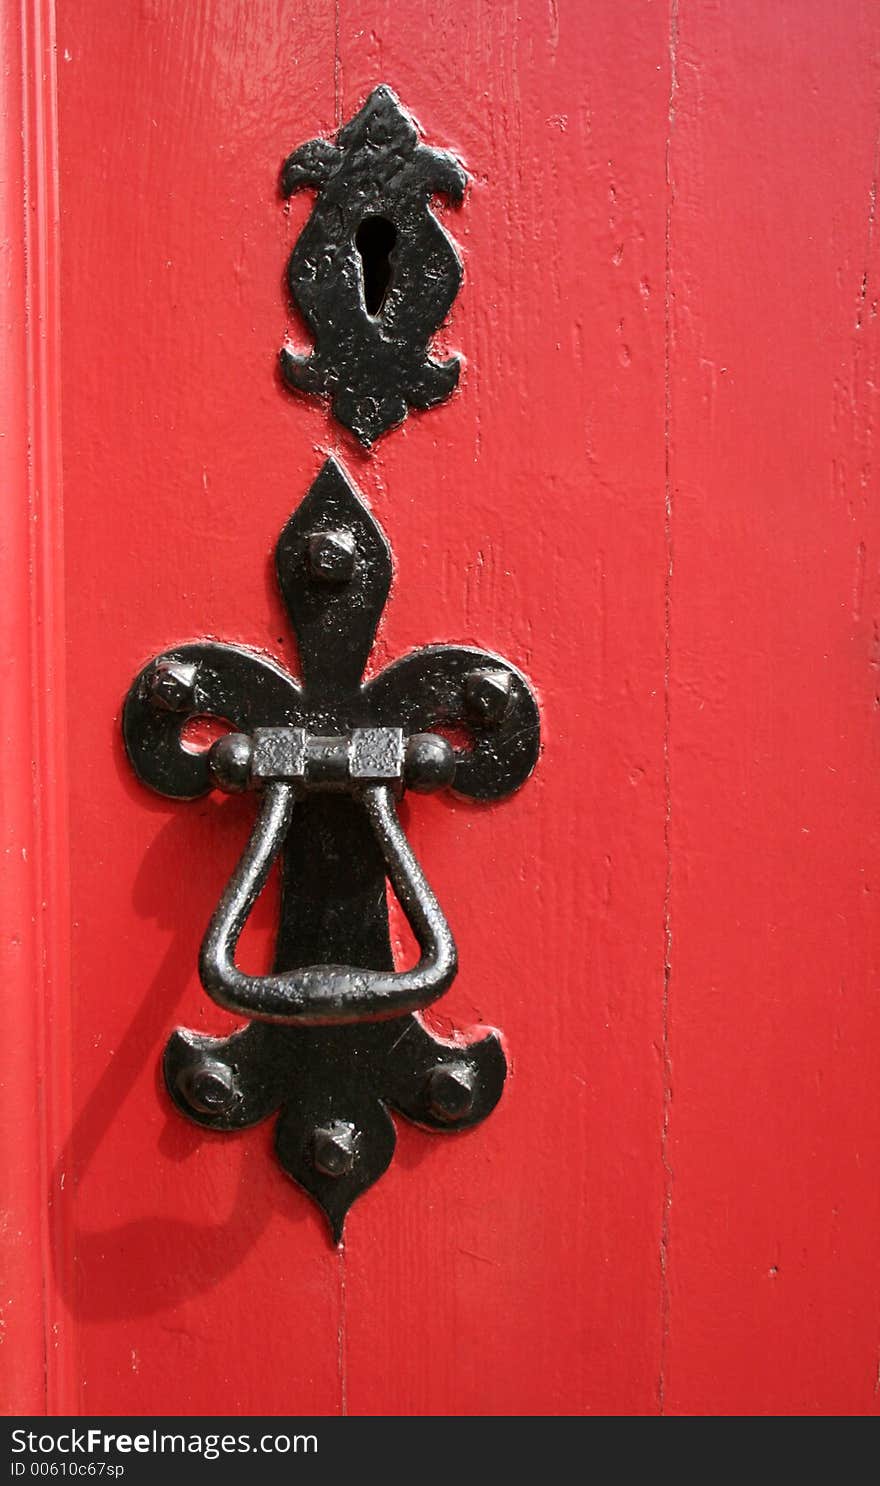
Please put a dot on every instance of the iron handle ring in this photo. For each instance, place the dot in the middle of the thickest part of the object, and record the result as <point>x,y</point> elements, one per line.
<point>316,995</point>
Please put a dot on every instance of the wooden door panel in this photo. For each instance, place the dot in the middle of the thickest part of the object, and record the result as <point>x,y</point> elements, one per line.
<point>774,1125</point>
<point>174,242</point>
<point>654,492</point>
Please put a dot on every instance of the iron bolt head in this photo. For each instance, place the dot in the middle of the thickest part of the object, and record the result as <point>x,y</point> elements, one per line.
<point>488,695</point>
<point>451,1091</point>
<point>334,1148</point>
<point>172,686</point>
<point>229,760</point>
<point>429,762</point>
<point>331,556</point>
<point>209,1087</point>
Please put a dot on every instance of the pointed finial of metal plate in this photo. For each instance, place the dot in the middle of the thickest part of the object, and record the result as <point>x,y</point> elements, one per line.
<point>334,569</point>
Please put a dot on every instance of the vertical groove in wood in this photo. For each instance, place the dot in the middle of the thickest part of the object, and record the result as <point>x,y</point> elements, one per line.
<point>668,1173</point>
<point>22,1356</point>
<point>48,681</point>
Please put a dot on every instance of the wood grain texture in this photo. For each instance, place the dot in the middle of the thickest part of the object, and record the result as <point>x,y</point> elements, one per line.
<point>521,1269</point>
<point>774,1018</point>
<point>201,1280</point>
<point>655,492</point>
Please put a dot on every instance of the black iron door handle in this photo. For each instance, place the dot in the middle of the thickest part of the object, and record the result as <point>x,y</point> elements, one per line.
<point>330,1041</point>
<point>320,994</point>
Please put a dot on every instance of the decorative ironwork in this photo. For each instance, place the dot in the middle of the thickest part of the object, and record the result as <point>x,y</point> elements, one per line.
<point>373,271</point>
<point>332,1044</point>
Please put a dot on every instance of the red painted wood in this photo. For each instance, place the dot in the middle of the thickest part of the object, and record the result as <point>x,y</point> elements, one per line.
<point>22,1367</point>
<point>200,1279</point>
<point>655,492</point>
<point>34,916</point>
<point>174,245</point>
<point>522,1271</point>
<point>774,1017</point>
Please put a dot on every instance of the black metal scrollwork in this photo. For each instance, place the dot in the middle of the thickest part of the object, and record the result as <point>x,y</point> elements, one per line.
<point>373,271</point>
<point>332,1043</point>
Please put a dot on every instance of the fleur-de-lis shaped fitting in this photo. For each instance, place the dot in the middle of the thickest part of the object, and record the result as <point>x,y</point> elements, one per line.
<point>373,272</point>
<point>332,1042</point>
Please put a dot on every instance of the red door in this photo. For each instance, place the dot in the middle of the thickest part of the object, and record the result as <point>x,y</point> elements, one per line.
<point>655,492</point>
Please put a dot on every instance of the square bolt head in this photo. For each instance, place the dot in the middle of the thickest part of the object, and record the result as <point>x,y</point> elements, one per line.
<point>487,696</point>
<point>208,1086</point>
<point>334,1148</point>
<point>331,556</point>
<point>172,686</point>
<point>450,1091</point>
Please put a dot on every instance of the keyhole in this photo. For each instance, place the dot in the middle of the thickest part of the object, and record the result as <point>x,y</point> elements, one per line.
<point>374,240</point>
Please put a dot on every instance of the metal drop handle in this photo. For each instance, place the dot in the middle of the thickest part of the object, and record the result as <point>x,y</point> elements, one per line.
<point>332,1048</point>
<point>318,994</point>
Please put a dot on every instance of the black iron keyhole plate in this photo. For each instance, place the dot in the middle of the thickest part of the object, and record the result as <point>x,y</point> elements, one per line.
<point>373,363</point>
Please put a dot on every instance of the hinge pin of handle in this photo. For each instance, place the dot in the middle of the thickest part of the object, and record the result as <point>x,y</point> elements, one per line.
<point>343,762</point>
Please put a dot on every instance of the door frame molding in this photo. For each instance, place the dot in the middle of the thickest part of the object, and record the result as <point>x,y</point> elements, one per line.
<point>34,900</point>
